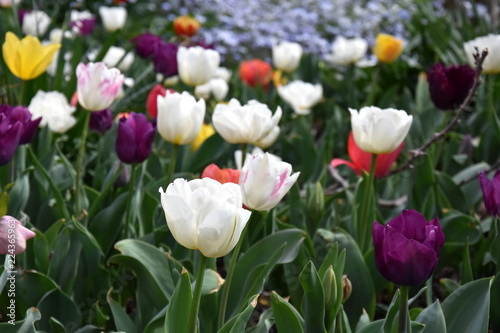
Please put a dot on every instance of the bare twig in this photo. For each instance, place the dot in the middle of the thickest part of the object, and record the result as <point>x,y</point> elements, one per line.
<point>420,151</point>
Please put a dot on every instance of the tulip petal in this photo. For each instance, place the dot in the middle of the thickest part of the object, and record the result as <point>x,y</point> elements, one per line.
<point>216,232</point>
<point>179,216</point>
<point>338,161</point>
<point>411,224</point>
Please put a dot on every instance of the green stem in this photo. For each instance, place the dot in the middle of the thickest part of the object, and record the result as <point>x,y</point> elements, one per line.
<point>374,87</point>
<point>195,305</point>
<point>171,164</point>
<point>128,214</point>
<point>229,277</point>
<point>243,154</point>
<point>79,163</point>
<point>369,200</point>
<point>12,171</point>
<point>403,309</point>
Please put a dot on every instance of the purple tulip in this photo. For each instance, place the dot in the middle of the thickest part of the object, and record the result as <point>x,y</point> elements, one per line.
<point>10,133</point>
<point>135,138</point>
<point>491,193</point>
<point>146,44</point>
<point>407,248</point>
<point>101,121</point>
<point>23,115</point>
<point>165,59</point>
<point>449,86</point>
<point>85,26</point>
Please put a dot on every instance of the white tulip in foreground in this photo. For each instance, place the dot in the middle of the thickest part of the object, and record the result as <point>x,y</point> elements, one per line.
<point>204,214</point>
<point>302,96</point>
<point>264,181</point>
<point>379,131</point>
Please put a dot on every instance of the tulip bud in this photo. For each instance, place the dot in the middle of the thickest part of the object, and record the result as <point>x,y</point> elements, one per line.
<point>146,44</point>
<point>315,201</point>
<point>101,121</point>
<point>152,99</point>
<point>491,64</point>
<point>346,51</point>
<point>24,116</point>
<point>113,18</point>
<point>165,59</point>
<point>197,65</point>
<point>346,288</point>
<point>256,72</point>
<point>135,138</point>
<point>10,133</point>
<point>329,283</point>
<point>83,23</point>
<point>387,48</point>
<point>491,193</point>
<point>286,56</point>
<point>186,26</point>
<point>302,96</point>
<point>13,236</point>
<point>35,23</point>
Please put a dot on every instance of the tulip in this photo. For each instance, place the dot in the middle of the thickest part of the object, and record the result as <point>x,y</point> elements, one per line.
<point>186,26</point>
<point>27,58</point>
<point>286,56</point>
<point>97,85</point>
<point>407,248</point>
<point>491,64</point>
<point>302,96</point>
<point>115,57</point>
<point>10,133</point>
<point>165,59</point>
<point>54,109</point>
<point>347,51</point>
<point>180,117</point>
<point>449,86</point>
<point>223,73</point>
<point>361,160</point>
<point>8,3</point>
<point>265,181</point>
<point>379,131</point>
<point>13,236</point>
<point>24,116</point>
<point>491,193</point>
<point>255,152</point>
<point>113,18</point>
<point>206,131</point>
<point>146,44</point>
<point>256,72</point>
<point>387,48</point>
<point>152,99</point>
<point>35,23</point>
<point>251,123</point>
<point>101,121</point>
<point>221,175</point>
<point>83,23</point>
<point>197,65</point>
<point>216,87</point>
<point>135,138</point>
<point>204,214</point>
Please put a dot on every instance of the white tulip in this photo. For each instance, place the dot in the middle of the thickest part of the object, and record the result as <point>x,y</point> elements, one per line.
<point>216,87</point>
<point>223,73</point>
<point>179,117</point>
<point>113,18</point>
<point>264,181</point>
<point>197,65</point>
<point>492,61</point>
<point>255,152</point>
<point>36,23</point>
<point>251,123</point>
<point>204,214</point>
<point>286,56</point>
<point>54,109</point>
<point>379,131</point>
<point>115,54</point>
<point>302,96</point>
<point>347,51</point>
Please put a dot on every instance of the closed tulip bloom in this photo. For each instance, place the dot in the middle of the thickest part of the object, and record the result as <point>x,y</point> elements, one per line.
<point>24,116</point>
<point>35,23</point>
<point>221,175</point>
<point>286,56</point>
<point>97,85</point>
<point>27,58</point>
<point>302,96</point>
<point>13,236</point>
<point>101,121</point>
<point>165,59</point>
<point>54,109</point>
<point>264,181</point>
<point>152,99</point>
<point>407,248</point>
<point>146,44</point>
<point>197,65</point>
<point>10,133</point>
<point>491,64</point>
<point>379,131</point>
<point>186,26</point>
<point>387,48</point>
<point>449,86</point>
<point>135,138</point>
<point>491,193</point>
<point>113,18</point>
<point>115,57</point>
<point>205,215</point>
<point>251,123</point>
<point>206,131</point>
<point>347,51</point>
<point>180,117</point>
<point>256,72</point>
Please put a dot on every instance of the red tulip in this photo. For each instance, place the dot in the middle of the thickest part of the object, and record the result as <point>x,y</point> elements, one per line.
<point>361,160</point>
<point>186,26</point>
<point>256,72</point>
<point>221,175</point>
<point>152,99</point>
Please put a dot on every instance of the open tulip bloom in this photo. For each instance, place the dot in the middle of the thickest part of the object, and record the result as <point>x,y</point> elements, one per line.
<point>302,96</point>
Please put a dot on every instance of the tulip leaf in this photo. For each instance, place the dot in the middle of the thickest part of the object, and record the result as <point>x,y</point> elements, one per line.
<point>179,307</point>
<point>474,316</point>
<point>56,304</point>
<point>286,316</point>
<point>27,325</point>
<point>373,327</point>
<point>449,194</point>
<point>207,153</point>
<point>466,265</point>
<point>157,324</point>
<point>41,252</point>
<point>212,282</point>
<point>392,312</point>
<point>266,321</point>
<point>121,319</point>
<point>313,302</point>
<point>433,318</point>
<point>459,227</point>
<point>19,195</point>
<point>239,322</point>
<point>365,212</point>
<point>56,325</point>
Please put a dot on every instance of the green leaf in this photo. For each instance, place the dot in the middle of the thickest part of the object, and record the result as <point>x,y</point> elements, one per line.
<point>467,308</point>
<point>266,321</point>
<point>239,322</point>
<point>433,318</point>
<point>56,304</point>
<point>459,227</point>
<point>392,312</point>
<point>212,282</point>
<point>27,325</point>
<point>179,306</point>
<point>313,302</point>
<point>364,212</point>
<point>120,317</point>
<point>286,316</point>
<point>466,265</point>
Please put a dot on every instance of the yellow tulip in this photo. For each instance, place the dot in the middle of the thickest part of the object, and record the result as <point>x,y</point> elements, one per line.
<point>27,58</point>
<point>387,48</point>
<point>206,131</point>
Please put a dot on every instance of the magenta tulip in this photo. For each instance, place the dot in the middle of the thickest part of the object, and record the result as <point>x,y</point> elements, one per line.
<point>135,138</point>
<point>491,193</point>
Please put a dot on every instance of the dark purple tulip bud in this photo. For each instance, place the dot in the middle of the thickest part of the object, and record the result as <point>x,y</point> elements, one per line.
<point>101,121</point>
<point>491,193</point>
<point>10,133</point>
<point>407,248</point>
<point>84,27</point>
<point>165,59</point>
<point>135,138</point>
<point>23,115</point>
<point>449,86</point>
<point>146,44</point>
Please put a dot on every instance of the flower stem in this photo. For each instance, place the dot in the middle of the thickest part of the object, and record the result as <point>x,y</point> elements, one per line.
<point>128,214</point>
<point>403,309</point>
<point>171,164</point>
<point>195,305</point>
<point>368,202</point>
<point>243,154</point>
<point>79,163</point>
